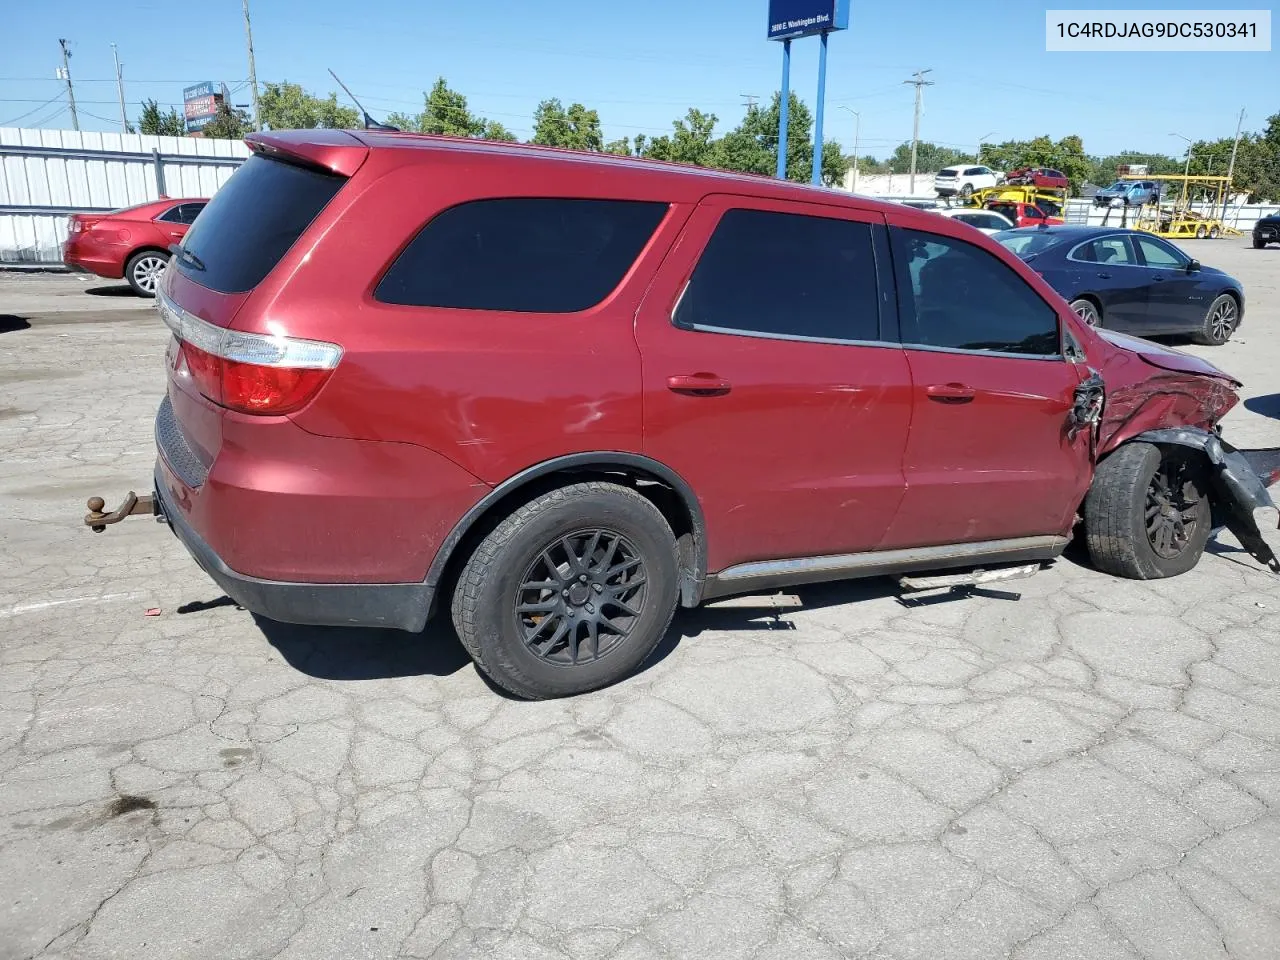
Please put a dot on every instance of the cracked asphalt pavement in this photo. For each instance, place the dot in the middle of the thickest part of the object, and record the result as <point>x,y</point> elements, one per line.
<point>1090,771</point>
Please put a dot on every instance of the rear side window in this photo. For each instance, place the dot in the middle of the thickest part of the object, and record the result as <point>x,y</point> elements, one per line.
<point>960,297</point>
<point>522,254</point>
<point>252,222</point>
<point>785,275</point>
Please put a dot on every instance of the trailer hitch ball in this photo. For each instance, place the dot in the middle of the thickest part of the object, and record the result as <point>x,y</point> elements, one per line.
<point>96,506</point>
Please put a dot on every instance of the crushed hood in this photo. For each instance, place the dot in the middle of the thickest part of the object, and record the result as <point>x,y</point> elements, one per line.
<point>1165,358</point>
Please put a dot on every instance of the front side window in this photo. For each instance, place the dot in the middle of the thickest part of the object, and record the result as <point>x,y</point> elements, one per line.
<point>1157,253</point>
<point>960,297</point>
<point>784,275</point>
<point>522,254</point>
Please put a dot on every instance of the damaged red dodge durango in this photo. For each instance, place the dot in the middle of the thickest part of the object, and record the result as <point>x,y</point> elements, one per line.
<point>555,395</point>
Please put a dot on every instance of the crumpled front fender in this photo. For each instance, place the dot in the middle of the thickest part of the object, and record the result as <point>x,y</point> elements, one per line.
<point>1239,481</point>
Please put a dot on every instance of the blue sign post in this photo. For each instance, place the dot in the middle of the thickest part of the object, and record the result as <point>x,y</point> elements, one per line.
<point>789,20</point>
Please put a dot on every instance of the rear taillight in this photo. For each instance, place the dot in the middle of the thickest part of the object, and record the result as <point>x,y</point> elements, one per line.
<point>253,373</point>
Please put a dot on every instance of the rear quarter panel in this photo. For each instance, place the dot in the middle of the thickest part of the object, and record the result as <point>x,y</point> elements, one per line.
<point>493,392</point>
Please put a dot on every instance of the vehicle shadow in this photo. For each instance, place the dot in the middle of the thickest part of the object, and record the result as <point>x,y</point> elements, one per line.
<point>358,653</point>
<point>1267,405</point>
<point>118,290</point>
<point>10,323</point>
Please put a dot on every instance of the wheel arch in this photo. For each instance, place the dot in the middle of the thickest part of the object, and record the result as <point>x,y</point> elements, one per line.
<point>670,493</point>
<point>1093,298</point>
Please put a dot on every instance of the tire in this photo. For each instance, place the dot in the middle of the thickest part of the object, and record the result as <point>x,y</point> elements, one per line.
<point>1201,233</point>
<point>145,270</point>
<point>1214,233</point>
<point>1127,485</point>
<point>966,191</point>
<point>536,642</point>
<point>1087,311</point>
<point>1220,321</point>
<point>1258,244</point>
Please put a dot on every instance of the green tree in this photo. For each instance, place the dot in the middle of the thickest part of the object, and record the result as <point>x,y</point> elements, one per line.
<point>158,124</point>
<point>930,158</point>
<point>621,147</point>
<point>402,121</point>
<point>445,112</point>
<point>691,141</point>
<point>286,106</point>
<point>576,128</point>
<point>228,124</point>
<point>752,146</point>
<point>493,130</point>
<point>1066,155</point>
<point>1102,170</point>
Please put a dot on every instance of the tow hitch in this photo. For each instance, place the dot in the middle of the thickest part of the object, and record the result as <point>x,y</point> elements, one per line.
<point>133,506</point>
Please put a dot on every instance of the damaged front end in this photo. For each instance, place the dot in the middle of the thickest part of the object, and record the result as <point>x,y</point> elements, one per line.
<point>1238,481</point>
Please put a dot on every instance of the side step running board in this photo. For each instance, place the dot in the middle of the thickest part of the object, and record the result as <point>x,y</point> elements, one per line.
<point>970,578</point>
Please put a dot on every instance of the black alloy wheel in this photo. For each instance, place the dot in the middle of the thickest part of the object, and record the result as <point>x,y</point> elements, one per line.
<point>1172,510</point>
<point>581,597</point>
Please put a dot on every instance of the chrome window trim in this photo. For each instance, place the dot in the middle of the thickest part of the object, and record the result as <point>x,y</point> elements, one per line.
<point>1098,263</point>
<point>964,351</point>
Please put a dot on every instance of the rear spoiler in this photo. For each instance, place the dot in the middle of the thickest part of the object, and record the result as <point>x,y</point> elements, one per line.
<point>333,151</point>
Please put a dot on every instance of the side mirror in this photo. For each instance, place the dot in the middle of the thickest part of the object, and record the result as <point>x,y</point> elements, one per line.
<point>1193,266</point>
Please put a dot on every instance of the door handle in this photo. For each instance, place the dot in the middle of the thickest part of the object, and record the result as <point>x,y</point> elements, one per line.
<point>1157,279</point>
<point>1104,276</point>
<point>699,385</point>
<point>950,392</point>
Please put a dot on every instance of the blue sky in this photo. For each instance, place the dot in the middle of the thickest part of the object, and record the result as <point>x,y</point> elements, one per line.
<point>642,64</point>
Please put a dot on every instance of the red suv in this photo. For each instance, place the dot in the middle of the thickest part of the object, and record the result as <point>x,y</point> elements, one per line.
<point>1023,214</point>
<point>1040,177</point>
<point>554,395</point>
<point>132,243</point>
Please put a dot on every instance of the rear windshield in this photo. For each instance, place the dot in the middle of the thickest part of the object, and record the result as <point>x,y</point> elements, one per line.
<point>1027,243</point>
<point>252,222</point>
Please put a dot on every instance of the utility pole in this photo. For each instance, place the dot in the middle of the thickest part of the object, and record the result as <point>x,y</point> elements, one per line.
<point>71,93</point>
<point>749,101</point>
<point>253,70</point>
<point>124,120</point>
<point>919,83</point>
<point>1231,168</point>
<point>857,131</point>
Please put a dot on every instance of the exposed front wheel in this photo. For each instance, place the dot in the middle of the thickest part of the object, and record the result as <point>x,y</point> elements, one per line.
<point>1147,513</point>
<point>1087,311</point>
<point>1220,321</point>
<point>145,270</point>
<point>966,191</point>
<point>569,593</point>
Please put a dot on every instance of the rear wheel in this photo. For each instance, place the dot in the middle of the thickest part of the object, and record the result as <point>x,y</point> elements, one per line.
<point>1147,515</point>
<point>570,593</point>
<point>1201,233</point>
<point>1087,311</point>
<point>966,191</point>
<point>1214,233</point>
<point>144,271</point>
<point>1220,321</point>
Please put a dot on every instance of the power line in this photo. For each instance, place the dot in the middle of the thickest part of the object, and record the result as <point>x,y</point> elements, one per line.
<point>10,123</point>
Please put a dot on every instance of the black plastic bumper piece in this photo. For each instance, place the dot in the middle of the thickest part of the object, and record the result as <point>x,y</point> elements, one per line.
<point>398,606</point>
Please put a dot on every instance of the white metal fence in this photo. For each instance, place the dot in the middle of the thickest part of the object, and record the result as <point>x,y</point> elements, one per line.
<point>47,174</point>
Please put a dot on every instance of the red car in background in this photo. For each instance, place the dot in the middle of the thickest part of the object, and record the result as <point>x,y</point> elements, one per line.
<point>1024,214</point>
<point>132,243</point>
<point>1039,177</point>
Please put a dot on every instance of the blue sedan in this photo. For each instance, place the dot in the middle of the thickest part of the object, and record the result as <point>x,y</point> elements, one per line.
<point>1131,281</point>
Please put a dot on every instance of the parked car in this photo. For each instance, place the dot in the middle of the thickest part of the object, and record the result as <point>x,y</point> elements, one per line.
<point>132,243</point>
<point>1266,230</point>
<point>962,181</point>
<point>988,221</point>
<point>1128,193</point>
<point>554,395</point>
<point>1022,214</point>
<point>1044,177</point>
<point>1132,281</point>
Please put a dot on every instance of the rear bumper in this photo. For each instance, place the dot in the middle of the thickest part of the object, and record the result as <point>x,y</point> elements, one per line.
<point>401,606</point>
<point>81,260</point>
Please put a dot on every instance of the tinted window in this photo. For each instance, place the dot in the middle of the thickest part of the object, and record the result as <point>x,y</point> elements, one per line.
<point>253,221</point>
<point>188,212</point>
<point>961,297</point>
<point>524,254</point>
<point>788,275</point>
<point>1159,254</point>
<point>1105,250</point>
<point>172,215</point>
<point>1009,210</point>
<point>1027,243</point>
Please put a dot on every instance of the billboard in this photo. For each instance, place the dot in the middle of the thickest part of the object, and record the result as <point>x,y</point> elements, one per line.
<point>789,19</point>
<point>200,104</point>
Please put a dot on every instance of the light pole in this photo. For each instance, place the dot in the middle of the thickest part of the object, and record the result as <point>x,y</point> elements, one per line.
<point>1186,169</point>
<point>981,140</point>
<point>857,130</point>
